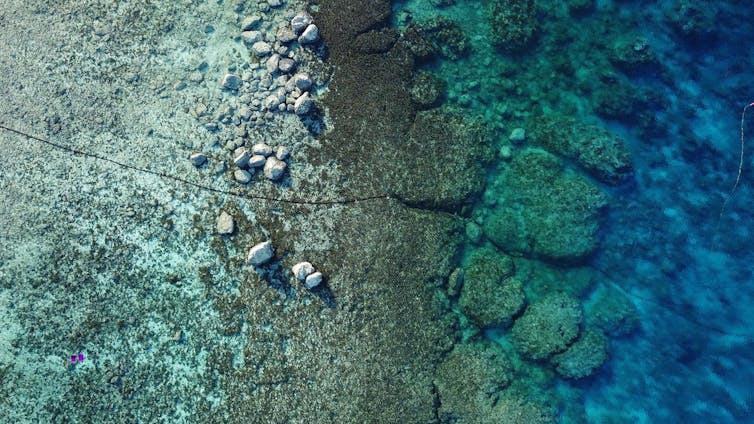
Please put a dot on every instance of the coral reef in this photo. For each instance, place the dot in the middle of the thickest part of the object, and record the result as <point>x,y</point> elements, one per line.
<point>543,211</point>
<point>513,409</point>
<point>469,380</point>
<point>547,326</point>
<point>601,153</point>
<point>427,90</point>
<point>490,295</point>
<point>584,356</point>
<point>612,311</point>
<point>513,22</point>
<point>447,37</point>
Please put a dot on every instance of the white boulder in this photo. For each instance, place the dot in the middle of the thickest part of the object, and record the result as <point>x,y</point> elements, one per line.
<point>302,270</point>
<point>313,280</point>
<point>261,253</point>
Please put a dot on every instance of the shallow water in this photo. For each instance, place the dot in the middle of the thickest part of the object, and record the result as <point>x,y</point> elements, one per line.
<point>127,268</point>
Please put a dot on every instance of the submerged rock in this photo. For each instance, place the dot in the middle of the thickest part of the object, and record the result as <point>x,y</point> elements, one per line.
<point>286,35</point>
<point>257,161</point>
<point>547,327</point>
<point>584,356</point>
<point>517,136</point>
<point>250,22</point>
<point>242,159</point>
<point>303,81</point>
<point>427,90</point>
<point>543,211</point>
<point>513,22</point>
<point>231,82</point>
<point>198,159</point>
<point>261,149</point>
<point>261,48</point>
<point>490,296</point>
<point>282,153</point>
<point>469,379</point>
<point>601,153</point>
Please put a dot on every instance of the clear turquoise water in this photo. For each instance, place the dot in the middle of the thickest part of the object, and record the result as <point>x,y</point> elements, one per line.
<point>668,280</point>
<point>664,244</point>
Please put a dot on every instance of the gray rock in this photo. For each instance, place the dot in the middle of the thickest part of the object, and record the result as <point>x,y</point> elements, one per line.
<point>242,159</point>
<point>271,102</point>
<point>250,22</point>
<point>302,270</point>
<point>518,135</point>
<point>274,168</point>
<point>272,63</point>
<point>225,223</point>
<point>303,81</point>
<point>260,253</point>
<point>251,37</point>
<point>257,161</point>
<point>282,153</point>
<point>303,105</point>
<point>219,168</point>
<point>242,176</point>
<point>300,22</point>
<point>286,65</point>
<point>286,35</point>
<point>261,149</point>
<point>198,159</point>
<point>244,113</point>
<point>310,35</point>
<point>231,82</point>
<point>313,280</point>
<point>275,3</point>
<point>261,48</point>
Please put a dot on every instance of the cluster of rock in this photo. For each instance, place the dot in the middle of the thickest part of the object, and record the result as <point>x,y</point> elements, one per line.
<point>269,87</point>
<point>272,81</point>
<point>306,273</point>
<point>260,157</point>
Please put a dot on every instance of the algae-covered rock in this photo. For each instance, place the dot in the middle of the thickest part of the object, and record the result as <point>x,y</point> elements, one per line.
<point>515,409</point>
<point>447,37</point>
<point>468,381</point>
<point>427,90</point>
<point>442,162</point>
<point>613,312</point>
<point>585,355</point>
<point>513,22</point>
<point>547,326</point>
<point>601,153</point>
<point>543,211</point>
<point>490,296</point>
<point>628,53</point>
